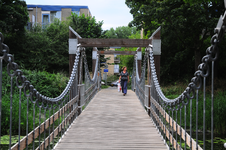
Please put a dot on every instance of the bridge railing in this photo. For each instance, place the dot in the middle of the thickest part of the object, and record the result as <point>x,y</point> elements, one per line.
<point>172,116</point>
<point>47,119</point>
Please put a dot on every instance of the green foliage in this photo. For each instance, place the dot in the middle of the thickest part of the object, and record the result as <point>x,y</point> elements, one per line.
<point>13,16</point>
<point>104,86</point>
<point>112,78</point>
<point>50,85</point>
<point>128,60</point>
<point>192,2</point>
<point>185,28</point>
<point>42,49</point>
<point>173,91</point>
<point>88,27</point>
<point>5,139</point>
<point>47,49</point>
<point>121,32</point>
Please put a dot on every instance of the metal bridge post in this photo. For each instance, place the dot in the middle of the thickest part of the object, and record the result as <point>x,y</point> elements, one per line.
<point>147,98</point>
<point>139,58</point>
<point>81,100</point>
<point>149,83</point>
<point>94,59</point>
<point>134,84</point>
<point>156,42</point>
<point>73,41</point>
<point>98,81</point>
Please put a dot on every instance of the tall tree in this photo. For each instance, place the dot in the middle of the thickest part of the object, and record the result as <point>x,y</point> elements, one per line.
<point>47,49</point>
<point>185,28</point>
<point>13,16</point>
<point>88,27</point>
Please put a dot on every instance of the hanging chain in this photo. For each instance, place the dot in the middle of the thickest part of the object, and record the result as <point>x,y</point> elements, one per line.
<point>22,82</point>
<point>92,81</point>
<point>140,80</point>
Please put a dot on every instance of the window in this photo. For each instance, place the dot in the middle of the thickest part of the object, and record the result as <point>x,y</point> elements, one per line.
<point>45,19</point>
<point>76,12</point>
<point>33,19</point>
<point>116,68</point>
<point>54,15</point>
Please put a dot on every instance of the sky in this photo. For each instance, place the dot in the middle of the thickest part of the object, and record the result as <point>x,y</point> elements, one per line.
<point>114,13</point>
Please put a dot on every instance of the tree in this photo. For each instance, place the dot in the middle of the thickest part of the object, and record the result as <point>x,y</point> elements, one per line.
<point>185,29</point>
<point>128,60</point>
<point>13,16</point>
<point>111,34</point>
<point>121,32</point>
<point>200,1</point>
<point>13,19</point>
<point>47,49</point>
<point>88,27</point>
<point>125,32</point>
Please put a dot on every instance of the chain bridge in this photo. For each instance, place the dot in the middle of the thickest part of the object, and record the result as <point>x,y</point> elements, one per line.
<point>85,117</point>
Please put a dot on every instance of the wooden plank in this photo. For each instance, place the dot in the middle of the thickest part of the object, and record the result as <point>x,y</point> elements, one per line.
<point>165,130</point>
<point>157,65</point>
<point>87,42</point>
<point>110,122</point>
<point>46,124</point>
<point>117,52</point>
<point>156,34</point>
<point>89,89</point>
<point>90,95</point>
<point>176,126</point>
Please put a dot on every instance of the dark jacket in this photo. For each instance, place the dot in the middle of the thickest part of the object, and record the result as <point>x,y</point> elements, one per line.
<point>124,76</point>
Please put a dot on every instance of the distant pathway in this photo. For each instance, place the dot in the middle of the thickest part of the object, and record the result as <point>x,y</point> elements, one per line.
<point>112,121</point>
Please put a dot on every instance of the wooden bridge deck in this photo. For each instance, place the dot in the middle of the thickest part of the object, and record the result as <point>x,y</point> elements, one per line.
<point>112,121</point>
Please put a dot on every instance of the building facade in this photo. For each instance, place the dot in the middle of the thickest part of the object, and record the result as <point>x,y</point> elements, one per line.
<point>45,14</point>
<point>112,62</point>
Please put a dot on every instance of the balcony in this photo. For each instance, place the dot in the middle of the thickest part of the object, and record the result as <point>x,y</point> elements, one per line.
<point>116,60</point>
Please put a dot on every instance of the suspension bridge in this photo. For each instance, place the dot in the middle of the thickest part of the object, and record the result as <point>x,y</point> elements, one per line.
<point>143,119</point>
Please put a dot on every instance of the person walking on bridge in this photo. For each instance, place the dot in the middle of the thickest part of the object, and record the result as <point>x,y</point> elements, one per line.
<point>124,77</point>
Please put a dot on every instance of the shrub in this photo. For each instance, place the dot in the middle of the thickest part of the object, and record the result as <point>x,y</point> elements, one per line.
<point>50,85</point>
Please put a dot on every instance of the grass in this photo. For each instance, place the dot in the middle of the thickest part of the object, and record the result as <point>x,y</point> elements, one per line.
<point>14,139</point>
<point>104,86</point>
<point>174,90</point>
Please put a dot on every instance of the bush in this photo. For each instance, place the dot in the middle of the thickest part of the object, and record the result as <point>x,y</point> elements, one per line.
<point>47,84</point>
<point>219,107</point>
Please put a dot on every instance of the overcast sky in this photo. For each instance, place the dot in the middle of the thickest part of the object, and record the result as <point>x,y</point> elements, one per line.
<point>114,13</point>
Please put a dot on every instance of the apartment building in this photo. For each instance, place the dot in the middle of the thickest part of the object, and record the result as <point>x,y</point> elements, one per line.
<point>112,63</point>
<point>45,14</point>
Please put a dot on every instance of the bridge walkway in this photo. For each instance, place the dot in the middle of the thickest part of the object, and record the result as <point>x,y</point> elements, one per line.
<point>112,121</point>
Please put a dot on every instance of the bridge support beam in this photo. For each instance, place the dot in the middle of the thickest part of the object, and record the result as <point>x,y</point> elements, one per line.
<point>156,43</point>
<point>147,98</point>
<point>81,100</point>
<point>99,81</point>
<point>73,41</point>
<point>139,58</point>
<point>134,84</point>
<point>157,65</point>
